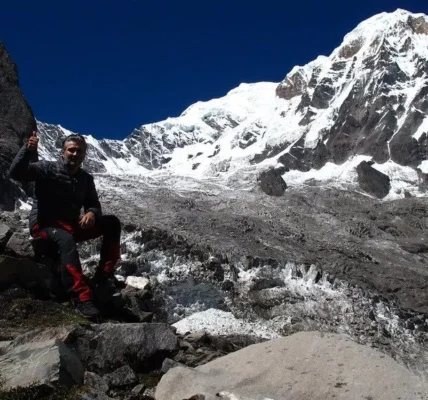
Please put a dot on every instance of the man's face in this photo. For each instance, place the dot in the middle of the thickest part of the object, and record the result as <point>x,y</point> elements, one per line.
<point>74,154</point>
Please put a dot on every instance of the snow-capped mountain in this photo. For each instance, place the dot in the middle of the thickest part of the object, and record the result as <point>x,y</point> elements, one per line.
<point>365,102</point>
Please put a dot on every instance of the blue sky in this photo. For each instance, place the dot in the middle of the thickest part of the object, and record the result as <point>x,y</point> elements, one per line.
<point>105,67</point>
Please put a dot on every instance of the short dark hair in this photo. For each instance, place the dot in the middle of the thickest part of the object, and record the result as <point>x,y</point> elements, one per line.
<point>75,138</point>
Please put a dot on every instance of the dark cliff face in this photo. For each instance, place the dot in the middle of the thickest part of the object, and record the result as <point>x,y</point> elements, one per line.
<point>16,123</point>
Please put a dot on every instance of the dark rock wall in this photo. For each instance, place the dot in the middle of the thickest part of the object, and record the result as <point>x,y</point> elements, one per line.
<point>16,122</point>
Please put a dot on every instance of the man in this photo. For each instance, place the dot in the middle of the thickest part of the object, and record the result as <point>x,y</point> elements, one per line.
<point>62,188</point>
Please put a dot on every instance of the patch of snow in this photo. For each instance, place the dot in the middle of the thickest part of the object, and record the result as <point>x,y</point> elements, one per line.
<point>402,179</point>
<point>137,282</point>
<point>66,131</point>
<point>329,173</point>
<point>423,128</point>
<point>24,205</point>
<point>217,322</point>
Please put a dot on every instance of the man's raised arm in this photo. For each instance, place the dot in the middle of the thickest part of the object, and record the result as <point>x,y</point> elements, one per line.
<point>23,167</point>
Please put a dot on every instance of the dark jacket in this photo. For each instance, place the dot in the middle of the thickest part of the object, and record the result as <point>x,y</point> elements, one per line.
<point>58,196</point>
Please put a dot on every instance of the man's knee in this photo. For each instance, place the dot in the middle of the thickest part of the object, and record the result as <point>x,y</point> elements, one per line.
<point>64,240</point>
<point>53,237</point>
<point>111,224</point>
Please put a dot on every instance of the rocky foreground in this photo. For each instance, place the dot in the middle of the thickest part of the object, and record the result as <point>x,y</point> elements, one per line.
<point>210,273</point>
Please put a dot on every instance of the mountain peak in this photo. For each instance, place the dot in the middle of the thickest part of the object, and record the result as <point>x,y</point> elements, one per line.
<point>395,24</point>
<point>364,102</point>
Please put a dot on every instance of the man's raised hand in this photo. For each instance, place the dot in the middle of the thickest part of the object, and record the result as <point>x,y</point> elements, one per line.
<point>33,141</point>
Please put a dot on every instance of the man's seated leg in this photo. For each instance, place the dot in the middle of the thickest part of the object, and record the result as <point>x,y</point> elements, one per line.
<point>73,280</point>
<point>107,226</point>
<point>46,253</point>
<point>44,248</point>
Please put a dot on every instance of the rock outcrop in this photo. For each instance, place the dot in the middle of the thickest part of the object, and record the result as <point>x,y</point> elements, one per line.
<point>16,123</point>
<point>110,346</point>
<point>5,234</point>
<point>304,366</point>
<point>373,181</point>
<point>23,271</point>
<point>271,182</point>
<point>41,363</point>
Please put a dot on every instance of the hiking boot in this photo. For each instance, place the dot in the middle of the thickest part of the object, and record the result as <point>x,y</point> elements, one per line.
<point>88,310</point>
<point>104,288</point>
<point>104,281</point>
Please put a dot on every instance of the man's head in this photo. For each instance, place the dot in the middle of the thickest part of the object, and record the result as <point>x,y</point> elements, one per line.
<point>74,151</point>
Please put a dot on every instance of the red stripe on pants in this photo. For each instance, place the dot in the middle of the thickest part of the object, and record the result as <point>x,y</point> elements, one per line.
<point>79,285</point>
<point>113,254</point>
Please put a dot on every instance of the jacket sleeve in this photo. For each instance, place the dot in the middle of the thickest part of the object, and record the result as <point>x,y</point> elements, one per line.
<point>92,204</point>
<point>26,167</point>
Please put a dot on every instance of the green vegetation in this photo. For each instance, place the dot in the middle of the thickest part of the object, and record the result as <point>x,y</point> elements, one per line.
<point>150,379</point>
<point>43,392</point>
<point>30,313</point>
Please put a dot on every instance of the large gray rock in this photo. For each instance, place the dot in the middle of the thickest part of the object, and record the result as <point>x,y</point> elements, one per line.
<point>23,271</point>
<point>373,181</point>
<point>19,245</point>
<point>304,366</point>
<point>107,347</point>
<point>49,362</point>
<point>63,333</point>
<point>138,303</point>
<point>271,182</point>
<point>95,382</point>
<point>122,377</point>
<point>5,234</point>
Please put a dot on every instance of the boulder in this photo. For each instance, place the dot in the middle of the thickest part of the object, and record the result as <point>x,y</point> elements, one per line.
<point>169,364</point>
<point>122,377</point>
<point>95,382</point>
<point>304,366</point>
<point>149,393</point>
<point>42,363</point>
<point>63,333</point>
<point>106,347</point>
<point>5,234</point>
<point>95,388</point>
<point>373,181</point>
<point>271,182</point>
<point>4,346</point>
<point>137,391</point>
<point>19,245</point>
<point>137,303</point>
<point>23,271</point>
